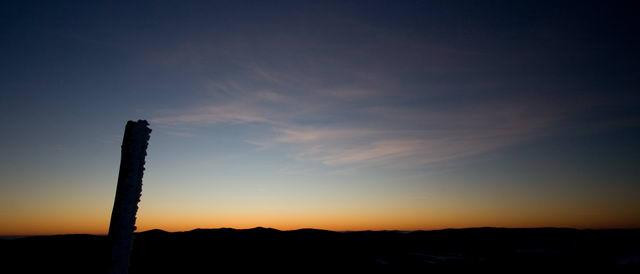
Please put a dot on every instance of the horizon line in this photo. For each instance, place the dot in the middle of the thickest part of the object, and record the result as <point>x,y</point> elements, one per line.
<point>4,237</point>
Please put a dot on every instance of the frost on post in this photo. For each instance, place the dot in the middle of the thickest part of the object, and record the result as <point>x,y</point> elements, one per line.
<point>128,192</point>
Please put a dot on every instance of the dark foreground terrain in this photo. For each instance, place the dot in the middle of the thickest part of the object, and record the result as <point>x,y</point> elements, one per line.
<point>307,250</point>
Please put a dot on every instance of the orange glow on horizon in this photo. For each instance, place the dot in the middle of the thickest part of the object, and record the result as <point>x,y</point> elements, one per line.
<point>99,224</point>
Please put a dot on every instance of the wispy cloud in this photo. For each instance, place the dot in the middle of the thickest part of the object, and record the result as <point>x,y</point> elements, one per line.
<point>426,138</point>
<point>415,102</point>
<point>352,126</point>
<point>215,114</point>
<point>310,135</point>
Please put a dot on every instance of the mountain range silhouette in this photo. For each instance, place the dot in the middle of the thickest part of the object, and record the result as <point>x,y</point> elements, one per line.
<point>313,250</point>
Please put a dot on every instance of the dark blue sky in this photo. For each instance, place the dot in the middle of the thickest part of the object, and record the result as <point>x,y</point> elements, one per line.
<point>512,113</point>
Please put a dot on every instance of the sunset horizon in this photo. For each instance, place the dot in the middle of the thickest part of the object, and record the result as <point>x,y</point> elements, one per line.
<point>288,136</point>
<point>336,115</point>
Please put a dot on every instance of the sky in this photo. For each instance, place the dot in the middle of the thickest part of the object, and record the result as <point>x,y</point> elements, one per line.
<point>341,115</point>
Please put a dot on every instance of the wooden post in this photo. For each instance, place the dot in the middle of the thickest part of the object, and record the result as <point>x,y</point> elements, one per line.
<point>128,192</point>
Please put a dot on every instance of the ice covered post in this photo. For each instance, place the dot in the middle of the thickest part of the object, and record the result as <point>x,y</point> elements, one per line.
<point>128,192</point>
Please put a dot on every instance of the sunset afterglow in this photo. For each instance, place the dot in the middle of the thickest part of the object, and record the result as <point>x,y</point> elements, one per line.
<point>336,115</point>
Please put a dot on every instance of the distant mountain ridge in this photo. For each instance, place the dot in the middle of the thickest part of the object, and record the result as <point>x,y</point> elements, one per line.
<point>303,250</point>
<point>260,229</point>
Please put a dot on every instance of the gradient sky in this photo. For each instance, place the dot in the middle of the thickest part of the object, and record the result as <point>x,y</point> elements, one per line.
<point>342,115</point>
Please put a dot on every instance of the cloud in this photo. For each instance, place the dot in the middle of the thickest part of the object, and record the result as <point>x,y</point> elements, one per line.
<point>396,98</point>
<point>374,132</point>
<point>231,113</point>
<point>378,150</point>
<point>430,137</point>
<point>310,135</point>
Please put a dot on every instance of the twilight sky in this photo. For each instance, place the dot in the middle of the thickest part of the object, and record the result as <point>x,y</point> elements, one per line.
<point>339,115</point>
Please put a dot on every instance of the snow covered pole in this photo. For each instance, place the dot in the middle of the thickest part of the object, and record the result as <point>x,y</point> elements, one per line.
<point>128,192</point>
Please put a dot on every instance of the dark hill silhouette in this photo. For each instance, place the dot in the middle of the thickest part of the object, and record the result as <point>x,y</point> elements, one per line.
<point>314,250</point>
